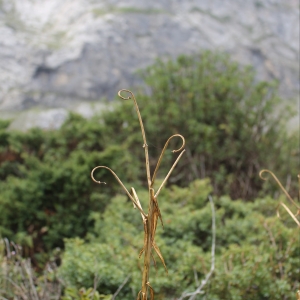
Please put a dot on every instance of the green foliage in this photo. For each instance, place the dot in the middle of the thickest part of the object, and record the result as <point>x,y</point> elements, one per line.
<point>46,190</point>
<point>256,253</point>
<point>84,294</point>
<point>18,279</point>
<point>226,116</point>
<point>83,264</point>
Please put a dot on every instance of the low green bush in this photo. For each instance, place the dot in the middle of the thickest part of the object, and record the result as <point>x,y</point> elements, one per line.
<point>257,254</point>
<point>226,116</point>
<point>20,281</point>
<point>46,191</point>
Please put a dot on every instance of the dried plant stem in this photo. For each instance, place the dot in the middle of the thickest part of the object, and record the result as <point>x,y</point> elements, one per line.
<point>279,183</point>
<point>162,153</point>
<point>121,183</point>
<point>145,146</point>
<point>287,195</point>
<point>150,219</point>
<point>147,255</point>
<point>168,175</point>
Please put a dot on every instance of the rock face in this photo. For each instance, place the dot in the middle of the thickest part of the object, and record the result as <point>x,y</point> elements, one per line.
<point>56,54</point>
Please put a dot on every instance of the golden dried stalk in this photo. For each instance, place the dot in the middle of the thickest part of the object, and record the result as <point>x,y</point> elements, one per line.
<point>150,219</point>
<point>294,216</point>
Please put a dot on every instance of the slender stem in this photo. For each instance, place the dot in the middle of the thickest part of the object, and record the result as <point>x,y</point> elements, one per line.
<point>279,183</point>
<point>142,129</point>
<point>162,154</point>
<point>120,182</point>
<point>147,254</point>
<point>150,219</point>
<point>168,175</point>
<point>135,196</point>
<point>290,213</point>
<point>148,246</point>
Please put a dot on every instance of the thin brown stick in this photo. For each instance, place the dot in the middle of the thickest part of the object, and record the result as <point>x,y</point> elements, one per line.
<point>168,175</point>
<point>279,183</point>
<point>150,219</point>
<point>145,146</point>
<point>287,195</point>
<point>162,154</point>
<point>135,196</point>
<point>290,213</point>
<point>120,182</point>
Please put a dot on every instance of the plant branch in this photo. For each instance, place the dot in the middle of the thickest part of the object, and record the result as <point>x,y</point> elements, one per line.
<point>168,175</point>
<point>287,195</point>
<point>279,183</point>
<point>120,182</point>
<point>145,146</point>
<point>162,153</point>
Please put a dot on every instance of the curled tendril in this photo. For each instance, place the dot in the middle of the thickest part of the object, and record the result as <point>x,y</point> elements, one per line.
<point>137,110</point>
<point>145,146</point>
<point>122,185</point>
<point>287,195</point>
<point>162,154</point>
<point>125,98</point>
<point>279,183</point>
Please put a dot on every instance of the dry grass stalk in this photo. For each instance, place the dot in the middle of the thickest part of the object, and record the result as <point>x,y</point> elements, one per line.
<point>151,217</point>
<point>293,215</point>
<point>17,278</point>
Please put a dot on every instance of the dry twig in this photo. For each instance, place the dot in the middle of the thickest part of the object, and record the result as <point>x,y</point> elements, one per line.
<point>151,217</point>
<point>294,216</point>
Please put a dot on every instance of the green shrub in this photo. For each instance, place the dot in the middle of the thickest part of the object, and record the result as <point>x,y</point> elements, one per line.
<point>84,294</point>
<point>226,116</point>
<point>46,191</point>
<point>20,281</point>
<point>256,253</point>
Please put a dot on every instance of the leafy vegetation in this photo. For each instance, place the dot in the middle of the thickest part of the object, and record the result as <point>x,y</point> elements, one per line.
<point>18,279</point>
<point>227,118</point>
<point>256,253</point>
<point>46,190</point>
<point>48,200</point>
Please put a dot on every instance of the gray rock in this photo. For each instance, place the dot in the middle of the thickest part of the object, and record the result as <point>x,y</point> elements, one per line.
<point>57,54</point>
<point>47,119</point>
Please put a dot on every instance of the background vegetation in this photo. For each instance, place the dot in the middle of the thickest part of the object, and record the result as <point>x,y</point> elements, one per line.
<point>48,201</point>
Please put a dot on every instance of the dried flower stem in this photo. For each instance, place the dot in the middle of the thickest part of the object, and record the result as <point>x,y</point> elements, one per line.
<point>287,195</point>
<point>150,219</point>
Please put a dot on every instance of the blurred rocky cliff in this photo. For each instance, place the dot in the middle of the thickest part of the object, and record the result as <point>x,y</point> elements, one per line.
<point>57,55</point>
